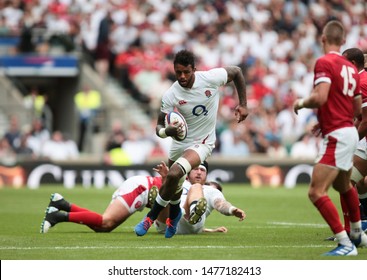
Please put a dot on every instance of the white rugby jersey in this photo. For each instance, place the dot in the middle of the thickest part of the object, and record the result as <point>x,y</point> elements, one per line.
<point>198,105</point>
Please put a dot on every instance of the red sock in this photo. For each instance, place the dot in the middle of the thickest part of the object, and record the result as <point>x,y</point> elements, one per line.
<point>329,212</point>
<point>345,214</point>
<point>88,218</point>
<point>352,202</point>
<point>76,208</point>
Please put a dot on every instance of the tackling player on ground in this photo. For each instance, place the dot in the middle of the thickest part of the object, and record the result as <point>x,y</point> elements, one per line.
<point>198,200</point>
<point>133,195</point>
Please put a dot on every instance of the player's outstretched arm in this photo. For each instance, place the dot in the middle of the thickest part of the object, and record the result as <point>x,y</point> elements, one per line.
<point>218,229</point>
<point>226,208</point>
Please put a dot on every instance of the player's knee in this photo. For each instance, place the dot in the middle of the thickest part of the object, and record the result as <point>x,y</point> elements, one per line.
<point>108,225</point>
<point>313,195</point>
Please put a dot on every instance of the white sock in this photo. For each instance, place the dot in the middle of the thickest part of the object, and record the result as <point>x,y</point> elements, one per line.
<point>355,229</point>
<point>343,239</point>
<point>193,205</point>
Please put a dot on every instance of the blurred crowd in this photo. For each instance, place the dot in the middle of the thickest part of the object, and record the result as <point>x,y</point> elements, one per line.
<point>275,42</point>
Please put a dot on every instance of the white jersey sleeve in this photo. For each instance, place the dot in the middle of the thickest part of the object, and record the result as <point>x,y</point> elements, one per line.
<point>211,195</point>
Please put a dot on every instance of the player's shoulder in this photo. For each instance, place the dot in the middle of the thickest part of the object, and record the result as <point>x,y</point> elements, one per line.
<point>333,57</point>
<point>213,191</point>
<point>332,62</point>
<point>211,72</point>
<point>214,76</point>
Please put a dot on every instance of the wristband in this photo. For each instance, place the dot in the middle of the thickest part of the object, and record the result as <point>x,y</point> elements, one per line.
<point>301,103</point>
<point>162,133</point>
<point>231,210</point>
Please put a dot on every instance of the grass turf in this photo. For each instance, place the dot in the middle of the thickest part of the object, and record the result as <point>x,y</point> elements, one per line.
<point>281,224</point>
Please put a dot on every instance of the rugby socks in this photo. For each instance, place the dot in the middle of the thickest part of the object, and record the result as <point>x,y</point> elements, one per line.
<point>345,214</point>
<point>157,207</point>
<point>363,207</point>
<point>330,214</point>
<point>88,218</point>
<point>76,208</point>
<point>80,215</point>
<point>174,209</point>
<point>351,200</point>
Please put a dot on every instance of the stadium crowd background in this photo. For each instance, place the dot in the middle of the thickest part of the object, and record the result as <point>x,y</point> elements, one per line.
<point>275,42</point>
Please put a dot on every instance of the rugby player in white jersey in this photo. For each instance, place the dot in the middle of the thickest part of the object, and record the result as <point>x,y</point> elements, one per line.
<point>212,194</point>
<point>198,200</point>
<point>196,96</point>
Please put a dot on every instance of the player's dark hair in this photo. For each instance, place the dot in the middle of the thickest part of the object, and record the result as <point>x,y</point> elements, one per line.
<point>217,185</point>
<point>185,58</point>
<point>356,55</point>
<point>206,165</point>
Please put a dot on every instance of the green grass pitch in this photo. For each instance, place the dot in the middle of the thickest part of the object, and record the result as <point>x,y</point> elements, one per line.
<point>281,224</point>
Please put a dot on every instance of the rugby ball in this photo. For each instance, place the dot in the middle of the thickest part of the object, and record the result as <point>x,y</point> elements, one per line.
<point>175,119</point>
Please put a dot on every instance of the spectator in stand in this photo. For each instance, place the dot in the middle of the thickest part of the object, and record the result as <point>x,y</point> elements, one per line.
<point>38,103</point>
<point>13,133</point>
<point>157,152</point>
<point>116,137</point>
<point>232,143</point>
<point>34,101</point>
<point>39,134</point>
<point>276,150</point>
<point>137,146</point>
<point>24,150</point>
<point>7,154</point>
<point>126,62</point>
<point>290,126</point>
<point>114,153</point>
<point>305,148</point>
<point>57,148</point>
<point>88,102</point>
<point>103,53</point>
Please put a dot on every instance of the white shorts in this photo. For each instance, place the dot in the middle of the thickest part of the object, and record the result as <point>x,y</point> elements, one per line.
<point>362,149</point>
<point>184,227</point>
<point>338,148</point>
<point>203,150</point>
<point>133,193</point>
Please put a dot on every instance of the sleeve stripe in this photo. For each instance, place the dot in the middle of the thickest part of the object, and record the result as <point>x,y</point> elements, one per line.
<point>322,80</point>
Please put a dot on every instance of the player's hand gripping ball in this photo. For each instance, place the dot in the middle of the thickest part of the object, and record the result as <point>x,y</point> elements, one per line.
<point>176,120</point>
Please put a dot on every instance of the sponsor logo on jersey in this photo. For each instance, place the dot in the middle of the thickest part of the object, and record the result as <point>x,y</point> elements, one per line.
<point>208,93</point>
<point>138,205</point>
<point>182,102</point>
